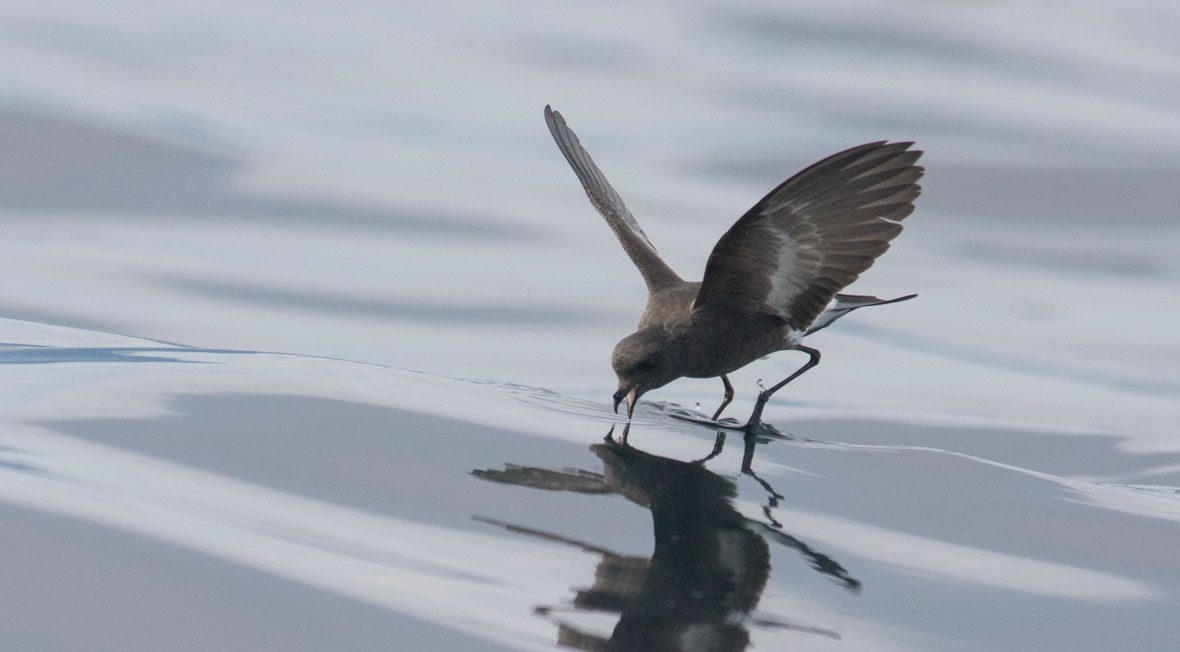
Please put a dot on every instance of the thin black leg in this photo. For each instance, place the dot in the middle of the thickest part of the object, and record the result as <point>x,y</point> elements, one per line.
<point>728,396</point>
<point>718,445</point>
<point>610,435</point>
<point>764,395</point>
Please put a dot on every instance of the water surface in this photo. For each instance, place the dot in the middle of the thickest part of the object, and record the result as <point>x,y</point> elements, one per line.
<point>305,329</point>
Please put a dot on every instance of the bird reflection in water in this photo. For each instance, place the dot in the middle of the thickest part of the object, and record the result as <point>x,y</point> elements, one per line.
<point>699,589</point>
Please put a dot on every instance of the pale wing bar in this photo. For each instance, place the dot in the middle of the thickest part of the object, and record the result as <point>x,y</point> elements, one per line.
<point>655,271</point>
<point>813,235</point>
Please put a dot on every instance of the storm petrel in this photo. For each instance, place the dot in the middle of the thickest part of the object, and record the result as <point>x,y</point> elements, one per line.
<point>772,279</point>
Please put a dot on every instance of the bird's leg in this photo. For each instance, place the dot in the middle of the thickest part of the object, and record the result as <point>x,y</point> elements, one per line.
<point>728,396</point>
<point>764,395</point>
<point>610,435</point>
<point>748,469</point>
<point>718,445</point>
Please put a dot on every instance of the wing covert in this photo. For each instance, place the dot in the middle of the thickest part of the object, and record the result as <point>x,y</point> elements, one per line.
<point>813,234</point>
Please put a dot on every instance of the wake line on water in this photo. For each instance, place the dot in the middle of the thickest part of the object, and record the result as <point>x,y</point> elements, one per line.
<point>682,421</point>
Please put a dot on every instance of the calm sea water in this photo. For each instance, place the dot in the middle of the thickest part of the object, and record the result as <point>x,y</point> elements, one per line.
<point>305,329</point>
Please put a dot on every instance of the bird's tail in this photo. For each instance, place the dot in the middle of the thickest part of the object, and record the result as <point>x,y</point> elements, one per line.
<point>843,304</point>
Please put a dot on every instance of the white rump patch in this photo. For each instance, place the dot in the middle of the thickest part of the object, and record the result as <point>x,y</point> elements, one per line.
<point>794,337</point>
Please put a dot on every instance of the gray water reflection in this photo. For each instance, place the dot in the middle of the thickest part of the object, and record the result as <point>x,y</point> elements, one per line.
<point>701,585</point>
<point>110,171</point>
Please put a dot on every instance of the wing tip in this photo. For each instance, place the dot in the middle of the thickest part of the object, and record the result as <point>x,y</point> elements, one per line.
<point>553,120</point>
<point>905,145</point>
<point>897,146</point>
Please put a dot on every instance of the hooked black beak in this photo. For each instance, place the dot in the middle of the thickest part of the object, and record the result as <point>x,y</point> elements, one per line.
<point>632,397</point>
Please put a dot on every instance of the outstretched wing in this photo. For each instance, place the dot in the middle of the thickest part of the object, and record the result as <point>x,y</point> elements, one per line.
<point>655,271</point>
<point>813,235</point>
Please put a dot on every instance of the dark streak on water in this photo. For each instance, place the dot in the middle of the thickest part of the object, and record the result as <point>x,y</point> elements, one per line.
<point>84,168</point>
<point>418,310</point>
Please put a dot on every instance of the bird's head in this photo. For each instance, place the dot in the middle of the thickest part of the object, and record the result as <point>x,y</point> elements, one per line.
<point>644,361</point>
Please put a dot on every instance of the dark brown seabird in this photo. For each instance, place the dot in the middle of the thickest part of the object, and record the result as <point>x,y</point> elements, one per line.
<point>771,280</point>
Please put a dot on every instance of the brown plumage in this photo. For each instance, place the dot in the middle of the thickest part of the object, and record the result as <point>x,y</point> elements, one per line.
<point>772,278</point>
